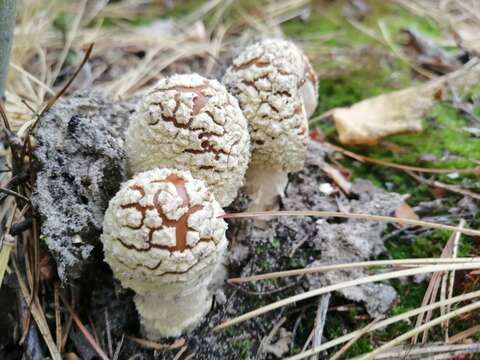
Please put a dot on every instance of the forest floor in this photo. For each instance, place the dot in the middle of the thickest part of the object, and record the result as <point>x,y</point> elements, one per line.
<point>359,49</point>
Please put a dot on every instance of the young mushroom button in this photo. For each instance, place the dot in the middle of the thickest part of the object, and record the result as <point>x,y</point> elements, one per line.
<point>192,123</point>
<point>162,238</point>
<point>277,91</point>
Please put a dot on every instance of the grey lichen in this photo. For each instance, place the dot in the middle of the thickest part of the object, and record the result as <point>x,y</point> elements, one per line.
<point>81,163</point>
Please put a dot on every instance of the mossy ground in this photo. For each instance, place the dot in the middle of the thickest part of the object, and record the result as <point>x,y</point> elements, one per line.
<point>342,83</point>
<point>442,137</point>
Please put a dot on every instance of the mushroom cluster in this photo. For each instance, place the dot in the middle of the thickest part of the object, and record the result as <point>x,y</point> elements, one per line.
<point>188,147</point>
<point>164,239</point>
<point>192,123</point>
<point>277,91</point>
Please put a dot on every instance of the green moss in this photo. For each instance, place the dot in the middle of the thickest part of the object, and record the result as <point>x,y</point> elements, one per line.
<point>242,348</point>
<point>420,246</point>
<point>64,21</point>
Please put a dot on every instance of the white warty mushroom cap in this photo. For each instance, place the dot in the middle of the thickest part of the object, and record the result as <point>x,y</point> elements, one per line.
<point>192,123</point>
<point>162,227</point>
<point>269,79</point>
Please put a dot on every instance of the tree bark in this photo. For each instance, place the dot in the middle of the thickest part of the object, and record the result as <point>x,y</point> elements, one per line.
<point>7,25</point>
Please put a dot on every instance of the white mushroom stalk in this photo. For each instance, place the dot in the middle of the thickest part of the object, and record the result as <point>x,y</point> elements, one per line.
<point>192,123</point>
<point>277,91</point>
<point>162,238</point>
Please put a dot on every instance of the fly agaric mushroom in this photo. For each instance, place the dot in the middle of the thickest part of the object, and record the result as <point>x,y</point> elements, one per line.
<point>277,91</point>
<point>192,123</point>
<point>162,238</point>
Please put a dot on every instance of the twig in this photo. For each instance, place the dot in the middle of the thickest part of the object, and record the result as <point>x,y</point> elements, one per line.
<point>342,285</point>
<point>430,352</point>
<point>268,339</point>
<point>464,334</point>
<point>456,242</point>
<point>363,158</point>
<point>84,330</point>
<point>384,323</point>
<point>320,320</point>
<point>346,215</point>
<point>428,325</point>
<point>432,291</point>
<point>58,319</point>
<point>15,194</point>
<point>7,245</point>
<point>119,347</point>
<point>149,344</point>
<point>438,184</point>
<point>54,99</point>
<point>352,341</point>
<point>38,315</point>
<point>180,353</point>
<point>109,334</point>
<point>348,266</point>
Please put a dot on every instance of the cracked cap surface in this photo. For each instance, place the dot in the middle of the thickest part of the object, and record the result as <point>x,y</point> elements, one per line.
<point>162,226</point>
<point>268,79</point>
<point>192,123</point>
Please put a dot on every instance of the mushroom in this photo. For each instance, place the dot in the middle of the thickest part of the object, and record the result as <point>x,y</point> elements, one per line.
<point>163,238</point>
<point>277,91</point>
<point>192,123</point>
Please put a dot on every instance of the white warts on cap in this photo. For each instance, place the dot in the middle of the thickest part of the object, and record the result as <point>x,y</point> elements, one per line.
<point>163,238</point>
<point>191,123</point>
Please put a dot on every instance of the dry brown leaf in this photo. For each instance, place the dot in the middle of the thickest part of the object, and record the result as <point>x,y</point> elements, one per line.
<point>370,120</point>
<point>406,212</point>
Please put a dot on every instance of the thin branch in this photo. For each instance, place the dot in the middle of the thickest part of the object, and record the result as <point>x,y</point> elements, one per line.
<point>416,330</point>
<point>363,158</point>
<point>359,216</point>
<point>343,285</point>
<point>349,266</point>
<point>84,330</point>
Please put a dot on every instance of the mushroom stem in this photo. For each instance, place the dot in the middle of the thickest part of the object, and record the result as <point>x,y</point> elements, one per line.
<point>265,185</point>
<point>175,308</point>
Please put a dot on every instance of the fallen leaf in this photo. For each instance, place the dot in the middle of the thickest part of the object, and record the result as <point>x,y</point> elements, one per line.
<point>406,212</point>
<point>370,120</point>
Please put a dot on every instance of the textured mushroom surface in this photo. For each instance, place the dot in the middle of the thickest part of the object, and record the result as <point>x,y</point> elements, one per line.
<point>163,238</point>
<point>162,226</point>
<point>192,123</point>
<point>269,80</point>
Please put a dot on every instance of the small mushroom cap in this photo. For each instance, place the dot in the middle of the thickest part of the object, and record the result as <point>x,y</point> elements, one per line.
<point>192,123</point>
<point>162,227</point>
<point>269,79</point>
